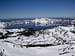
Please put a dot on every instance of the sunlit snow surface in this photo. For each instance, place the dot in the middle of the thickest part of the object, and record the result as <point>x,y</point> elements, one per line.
<point>14,46</point>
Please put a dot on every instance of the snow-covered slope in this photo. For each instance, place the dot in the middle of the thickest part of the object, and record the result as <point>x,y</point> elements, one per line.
<point>16,43</point>
<point>56,36</point>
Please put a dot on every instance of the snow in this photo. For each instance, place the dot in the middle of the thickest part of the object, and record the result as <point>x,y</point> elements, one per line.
<point>14,46</point>
<point>36,51</point>
<point>3,31</point>
<point>2,25</point>
<point>42,21</point>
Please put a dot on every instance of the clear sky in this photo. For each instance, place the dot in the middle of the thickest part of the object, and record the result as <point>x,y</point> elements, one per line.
<point>35,8</point>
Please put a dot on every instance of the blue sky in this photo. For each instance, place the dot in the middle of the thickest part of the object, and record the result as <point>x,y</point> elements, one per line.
<point>37,8</point>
